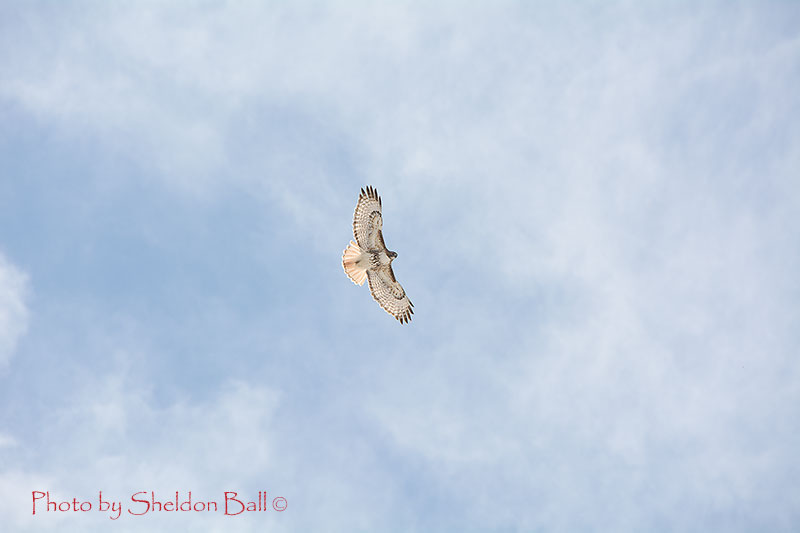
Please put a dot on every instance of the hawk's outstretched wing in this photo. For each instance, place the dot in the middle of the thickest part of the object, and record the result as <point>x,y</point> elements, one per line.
<point>367,221</point>
<point>390,294</point>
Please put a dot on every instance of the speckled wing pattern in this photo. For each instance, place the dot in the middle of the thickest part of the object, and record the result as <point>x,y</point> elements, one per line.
<point>368,222</point>
<point>390,294</point>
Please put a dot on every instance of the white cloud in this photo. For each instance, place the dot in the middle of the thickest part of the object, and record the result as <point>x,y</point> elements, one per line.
<point>112,435</point>
<point>6,441</point>
<point>13,308</point>
<point>16,499</point>
<point>634,357</point>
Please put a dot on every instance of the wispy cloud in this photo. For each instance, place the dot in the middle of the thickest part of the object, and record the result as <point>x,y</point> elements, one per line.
<point>112,434</point>
<point>13,308</point>
<point>592,207</point>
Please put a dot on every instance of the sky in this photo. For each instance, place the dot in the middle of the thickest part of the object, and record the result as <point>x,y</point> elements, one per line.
<point>595,210</point>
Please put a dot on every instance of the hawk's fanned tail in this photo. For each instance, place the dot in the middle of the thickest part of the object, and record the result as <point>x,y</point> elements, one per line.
<point>356,270</point>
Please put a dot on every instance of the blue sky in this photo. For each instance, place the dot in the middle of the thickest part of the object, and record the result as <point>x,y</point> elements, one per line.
<point>594,206</point>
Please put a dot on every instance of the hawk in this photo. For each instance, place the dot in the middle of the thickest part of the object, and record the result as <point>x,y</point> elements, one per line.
<point>369,259</point>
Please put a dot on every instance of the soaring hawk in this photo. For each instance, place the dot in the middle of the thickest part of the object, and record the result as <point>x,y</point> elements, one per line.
<point>369,259</point>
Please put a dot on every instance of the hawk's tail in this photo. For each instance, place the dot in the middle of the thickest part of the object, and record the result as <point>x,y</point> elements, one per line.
<point>352,264</point>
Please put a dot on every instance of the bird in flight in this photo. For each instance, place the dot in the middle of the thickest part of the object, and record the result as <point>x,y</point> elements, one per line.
<point>371,260</point>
